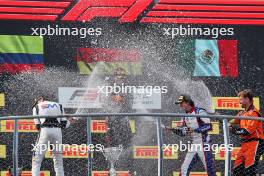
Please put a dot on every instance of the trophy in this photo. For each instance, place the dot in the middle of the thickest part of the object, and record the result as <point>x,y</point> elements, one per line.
<point>112,154</point>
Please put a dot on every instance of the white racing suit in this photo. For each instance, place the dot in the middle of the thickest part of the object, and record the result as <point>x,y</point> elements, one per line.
<point>50,133</point>
<point>199,136</point>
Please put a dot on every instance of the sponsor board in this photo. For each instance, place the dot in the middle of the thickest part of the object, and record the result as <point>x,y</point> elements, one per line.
<point>196,173</point>
<point>106,173</point>
<point>2,151</point>
<point>99,126</point>
<point>23,126</point>
<point>215,126</point>
<point>231,103</point>
<point>71,152</point>
<point>151,152</point>
<point>26,173</point>
<point>2,99</point>
<point>142,101</point>
<point>79,97</point>
<point>131,11</point>
<point>220,155</point>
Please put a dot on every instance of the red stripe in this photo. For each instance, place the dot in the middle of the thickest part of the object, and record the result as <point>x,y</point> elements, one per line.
<point>92,12</point>
<point>209,8</point>
<point>134,11</point>
<point>205,14</point>
<point>91,55</point>
<point>201,21</point>
<point>28,17</point>
<point>232,2</point>
<point>228,57</point>
<point>83,5</point>
<point>34,3</point>
<point>18,68</point>
<point>109,3</point>
<point>31,10</point>
<point>77,10</point>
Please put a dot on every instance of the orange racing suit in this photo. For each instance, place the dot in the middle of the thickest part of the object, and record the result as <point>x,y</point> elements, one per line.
<point>252,146</point>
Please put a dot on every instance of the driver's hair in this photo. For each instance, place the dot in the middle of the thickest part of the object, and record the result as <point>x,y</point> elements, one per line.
<point>247,93</point>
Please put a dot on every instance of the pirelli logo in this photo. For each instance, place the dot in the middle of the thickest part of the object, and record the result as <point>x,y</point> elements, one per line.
<point>215,126</point>
<point>151,152</point>
<point>2,151</point>
<point>71,152</point>
<point>106,173</point>
<point>196,174</point>
<point>23,126</point>
<point>2,99</point>
<point>231,103</point>
<point>220,155</point>
<point>99,126</point>
<point>26,173</point>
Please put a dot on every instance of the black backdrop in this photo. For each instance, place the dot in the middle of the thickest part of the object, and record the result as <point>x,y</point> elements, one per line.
<point>61,51</point>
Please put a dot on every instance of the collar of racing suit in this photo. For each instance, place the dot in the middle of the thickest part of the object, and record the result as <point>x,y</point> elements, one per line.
<point>251,107</point>
<point>192,110</point>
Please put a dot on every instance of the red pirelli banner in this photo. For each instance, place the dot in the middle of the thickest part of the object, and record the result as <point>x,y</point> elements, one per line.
<point>151,152</point>
<point>231,103</point>
<point>106,173</point>
<point>26,173</point>
<point>99,126</point>
<point>23,126</point>
<point>72,151</point>
<point>220,155</point>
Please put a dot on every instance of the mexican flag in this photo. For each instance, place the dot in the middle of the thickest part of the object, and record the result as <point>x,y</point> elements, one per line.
<point>217,58</point>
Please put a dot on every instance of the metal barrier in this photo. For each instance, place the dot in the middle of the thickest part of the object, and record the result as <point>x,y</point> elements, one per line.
<point>159,134</point>
<point>87,115</point>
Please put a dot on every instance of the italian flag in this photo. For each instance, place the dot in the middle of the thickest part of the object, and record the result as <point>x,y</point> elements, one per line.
<point>209,57</point>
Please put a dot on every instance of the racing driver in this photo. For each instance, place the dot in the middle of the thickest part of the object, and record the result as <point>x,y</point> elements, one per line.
<point>198,129</point>
<point>251,133</point>
<point>50,134</point>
